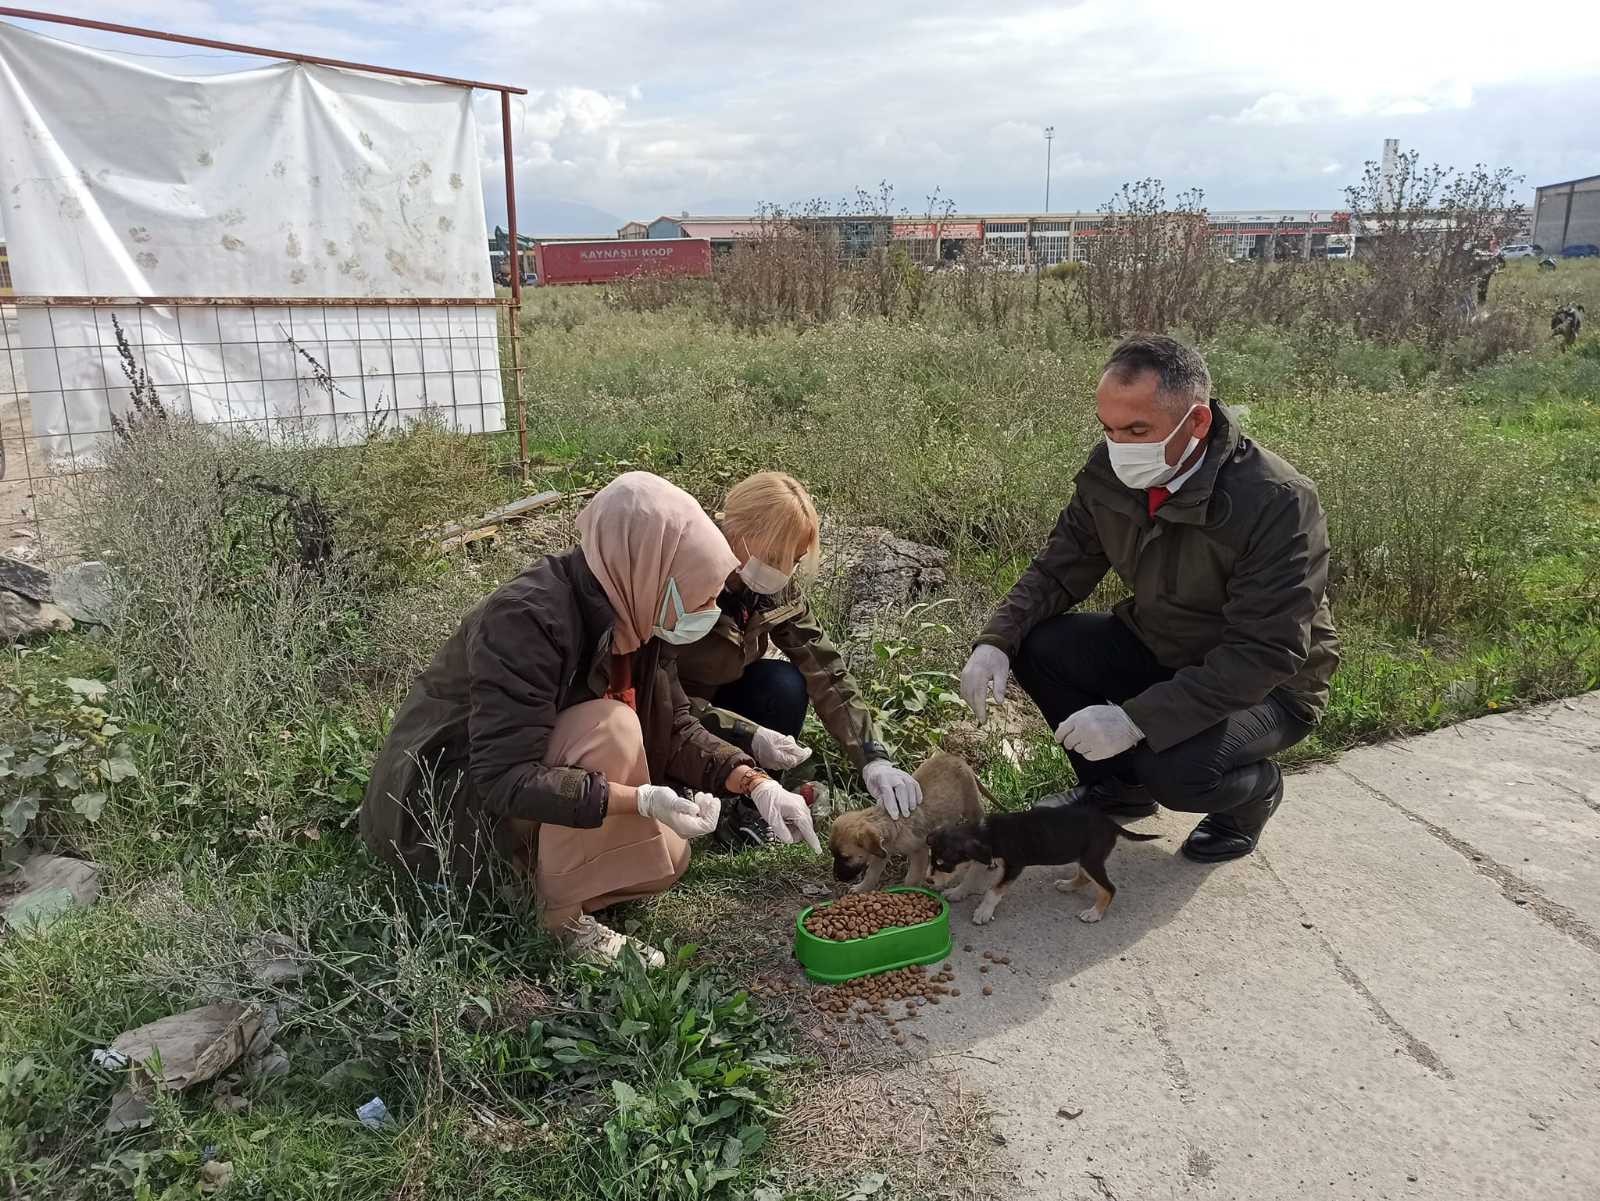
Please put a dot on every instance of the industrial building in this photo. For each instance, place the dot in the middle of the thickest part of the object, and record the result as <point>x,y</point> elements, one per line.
<point>1567,214</point>
<point>1024,239</point>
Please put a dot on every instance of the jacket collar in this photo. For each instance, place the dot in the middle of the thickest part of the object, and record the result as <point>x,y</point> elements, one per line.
<point>1191,503</point>
<point>598,617</point>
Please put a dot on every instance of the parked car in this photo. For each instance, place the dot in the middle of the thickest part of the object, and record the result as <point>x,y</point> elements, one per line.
<point>1520,250</point>
<point>1581,250</point>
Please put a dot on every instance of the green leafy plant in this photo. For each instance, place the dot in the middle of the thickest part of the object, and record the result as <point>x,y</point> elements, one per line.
<point>679,1076</point>
<point>916,702</point>
<point>69,751</point>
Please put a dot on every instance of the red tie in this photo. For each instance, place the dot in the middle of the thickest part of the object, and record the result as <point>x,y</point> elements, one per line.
<point>1157,497</point>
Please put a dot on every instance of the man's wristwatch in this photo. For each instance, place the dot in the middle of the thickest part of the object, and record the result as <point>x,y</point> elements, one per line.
<point>874,750</point>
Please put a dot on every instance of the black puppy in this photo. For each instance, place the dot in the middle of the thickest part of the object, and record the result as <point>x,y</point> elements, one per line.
<point>1009,842</point>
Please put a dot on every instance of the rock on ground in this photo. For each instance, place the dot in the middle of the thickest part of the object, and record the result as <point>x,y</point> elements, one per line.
<point>22,618</point>
<point>874,574</point>
<point>46,885</point>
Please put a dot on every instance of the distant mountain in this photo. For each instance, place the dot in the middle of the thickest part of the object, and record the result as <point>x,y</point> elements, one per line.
<point>552,217</point>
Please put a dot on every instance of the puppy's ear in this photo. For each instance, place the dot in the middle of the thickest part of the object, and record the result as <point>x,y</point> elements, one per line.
<point>871,840</point>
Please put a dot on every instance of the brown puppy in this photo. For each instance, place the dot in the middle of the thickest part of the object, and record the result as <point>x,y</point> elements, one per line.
<point>863,839</point>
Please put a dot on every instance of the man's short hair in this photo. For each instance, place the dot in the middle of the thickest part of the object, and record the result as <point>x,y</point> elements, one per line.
<point>1182,378</point>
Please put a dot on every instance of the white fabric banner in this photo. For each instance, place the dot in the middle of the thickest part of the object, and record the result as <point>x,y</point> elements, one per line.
<point>286,181</point>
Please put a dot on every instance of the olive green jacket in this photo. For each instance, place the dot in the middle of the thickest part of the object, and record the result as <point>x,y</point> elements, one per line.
<point>1229,584</point>
<point>784,621</point>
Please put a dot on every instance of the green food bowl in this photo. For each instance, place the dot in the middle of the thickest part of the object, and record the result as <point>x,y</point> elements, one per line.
<point>828,961</point>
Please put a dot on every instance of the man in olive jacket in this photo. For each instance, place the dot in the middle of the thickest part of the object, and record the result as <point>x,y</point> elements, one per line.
<point>1221,656</point>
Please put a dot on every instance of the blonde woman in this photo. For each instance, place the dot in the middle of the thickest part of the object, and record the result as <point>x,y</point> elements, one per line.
<point>757,702</point>
<point>550,729</point>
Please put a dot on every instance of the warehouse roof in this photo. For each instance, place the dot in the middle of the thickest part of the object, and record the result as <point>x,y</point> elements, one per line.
<point>1567,182</point>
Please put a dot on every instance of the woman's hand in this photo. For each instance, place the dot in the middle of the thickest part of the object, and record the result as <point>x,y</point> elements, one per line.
<point>778,752</point>
<point>785,813</point>
<point>898,792</point>
<point>684,817</point>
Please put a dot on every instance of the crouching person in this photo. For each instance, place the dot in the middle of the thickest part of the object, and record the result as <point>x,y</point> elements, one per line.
<point>549,730</point>
<point>759,702</point>
<point>1222,655</point>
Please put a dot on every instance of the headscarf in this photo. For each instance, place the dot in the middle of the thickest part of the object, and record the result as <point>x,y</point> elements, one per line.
<point>638,531</point>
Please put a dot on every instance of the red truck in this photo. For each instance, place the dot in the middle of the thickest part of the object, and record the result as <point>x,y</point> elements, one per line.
<point>602,262</point>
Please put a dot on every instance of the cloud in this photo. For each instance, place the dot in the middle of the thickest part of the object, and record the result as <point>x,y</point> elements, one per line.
<point>1275,108</point>
<point>638,107</point>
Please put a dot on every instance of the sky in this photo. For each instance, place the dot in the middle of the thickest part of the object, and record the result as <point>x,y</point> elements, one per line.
<point>638,108</point>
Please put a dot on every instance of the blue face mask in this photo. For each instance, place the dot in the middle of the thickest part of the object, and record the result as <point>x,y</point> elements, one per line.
<point>686,627</point>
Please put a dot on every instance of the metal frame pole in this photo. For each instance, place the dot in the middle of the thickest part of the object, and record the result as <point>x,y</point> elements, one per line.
<point>514,259</point>
<point>28,14</point>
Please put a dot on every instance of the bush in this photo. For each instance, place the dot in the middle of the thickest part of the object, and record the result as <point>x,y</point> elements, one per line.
<point>248,577</point>
<point>1428,523</point>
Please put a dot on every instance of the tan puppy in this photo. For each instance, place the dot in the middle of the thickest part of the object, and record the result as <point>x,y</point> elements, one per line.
<point>863,839</point>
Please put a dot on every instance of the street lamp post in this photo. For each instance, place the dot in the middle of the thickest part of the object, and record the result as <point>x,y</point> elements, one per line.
<point>1049,137</point>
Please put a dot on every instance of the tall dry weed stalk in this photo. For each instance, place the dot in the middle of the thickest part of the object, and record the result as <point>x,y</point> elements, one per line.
<point>1422,237</point>
<point>786,271</point>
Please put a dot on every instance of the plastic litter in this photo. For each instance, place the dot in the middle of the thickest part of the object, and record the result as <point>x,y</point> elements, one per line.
<point>374,1115</point>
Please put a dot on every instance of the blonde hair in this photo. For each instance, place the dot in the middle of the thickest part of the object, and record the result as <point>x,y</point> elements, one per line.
<point>771,513</point>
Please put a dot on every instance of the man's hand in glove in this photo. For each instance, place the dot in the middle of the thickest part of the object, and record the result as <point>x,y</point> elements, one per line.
<point>987,668</point>
<point>1099,732</point>
<point>898,792</point>
<point>778,752</point>
<point>786,814</point>
<point>685,818</point>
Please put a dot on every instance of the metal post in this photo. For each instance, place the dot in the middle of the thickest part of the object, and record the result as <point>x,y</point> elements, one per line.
<point>514,258</point>
<point>1049,138</point>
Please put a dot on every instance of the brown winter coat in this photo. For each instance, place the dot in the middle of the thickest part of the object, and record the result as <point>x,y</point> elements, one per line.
<point>1228,579</point>
<point>478,722</point>
<point>784,621</point>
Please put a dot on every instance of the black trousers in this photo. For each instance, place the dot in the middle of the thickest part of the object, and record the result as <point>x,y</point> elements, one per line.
<point>771,693</point>
<point>1081,659</point>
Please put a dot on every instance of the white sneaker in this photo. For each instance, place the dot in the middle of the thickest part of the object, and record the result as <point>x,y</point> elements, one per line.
<point>599,943</point>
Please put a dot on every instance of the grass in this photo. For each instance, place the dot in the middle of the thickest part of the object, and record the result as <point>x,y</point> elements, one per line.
<point>253,677</point>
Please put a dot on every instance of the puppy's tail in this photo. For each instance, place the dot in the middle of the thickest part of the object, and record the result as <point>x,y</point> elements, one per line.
<point>1132,837</point>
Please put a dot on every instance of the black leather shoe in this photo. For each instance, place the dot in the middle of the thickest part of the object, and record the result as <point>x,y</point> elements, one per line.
<point>1110,797</point>
<point>1233,833</point>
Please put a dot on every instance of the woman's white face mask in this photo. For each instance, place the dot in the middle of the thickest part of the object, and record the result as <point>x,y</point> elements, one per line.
<point>1144,464</point>
<point>762,577</point>
<point>686,627</point>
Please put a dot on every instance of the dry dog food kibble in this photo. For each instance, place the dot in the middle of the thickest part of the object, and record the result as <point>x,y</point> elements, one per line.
<point>864,913</point>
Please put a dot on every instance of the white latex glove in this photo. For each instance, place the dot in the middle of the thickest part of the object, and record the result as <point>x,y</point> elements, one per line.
<point>778,752</point>
<point>785,813</point>
<point>685,818</point>
<point>987,667</point>
<point>1099,732</point>
<point>897,791</point>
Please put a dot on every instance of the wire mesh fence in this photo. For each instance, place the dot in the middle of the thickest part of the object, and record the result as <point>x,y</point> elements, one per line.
<point>330,371</point>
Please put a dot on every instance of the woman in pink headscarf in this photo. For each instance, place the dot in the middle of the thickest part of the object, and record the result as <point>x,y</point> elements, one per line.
<point>548,732</point>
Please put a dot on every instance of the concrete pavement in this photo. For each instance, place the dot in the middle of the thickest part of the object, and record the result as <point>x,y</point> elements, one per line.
<point>1398,996</point>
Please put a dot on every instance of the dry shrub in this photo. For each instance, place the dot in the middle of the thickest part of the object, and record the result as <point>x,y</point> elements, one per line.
<point>986,289</point>
<point>653,291</point>
<point>1422,231</point>
<point>1152,267</point>
<point>787,271</point>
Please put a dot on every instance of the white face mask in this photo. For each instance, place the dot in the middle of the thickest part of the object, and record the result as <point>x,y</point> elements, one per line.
<point>686,627</point>
<point>1144,464</point>
<point>764,578</point>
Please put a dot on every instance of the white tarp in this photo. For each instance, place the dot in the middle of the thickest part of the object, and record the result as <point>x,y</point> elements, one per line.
<point>285,181</point>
